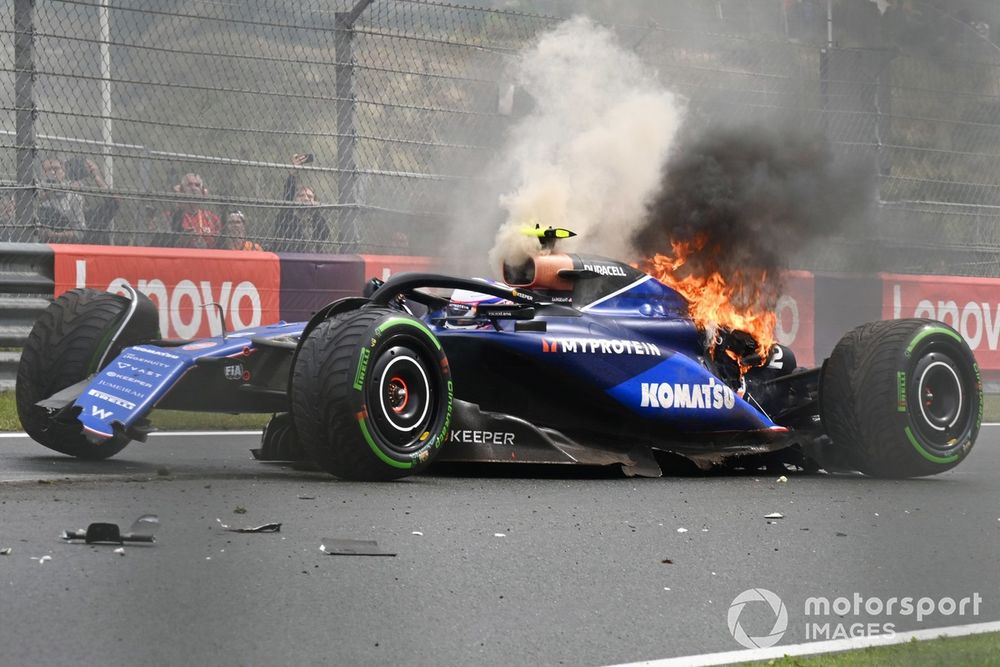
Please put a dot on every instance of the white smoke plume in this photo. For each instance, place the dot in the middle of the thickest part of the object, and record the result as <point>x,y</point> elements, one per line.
<point>588,157</point>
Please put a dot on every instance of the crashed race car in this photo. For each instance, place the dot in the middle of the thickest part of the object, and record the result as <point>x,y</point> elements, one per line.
<point>572,359</point>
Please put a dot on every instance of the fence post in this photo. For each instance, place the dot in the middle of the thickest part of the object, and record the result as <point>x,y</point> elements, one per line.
<point>24,121</point>
<point>347,225</point>
<point>824,91</point>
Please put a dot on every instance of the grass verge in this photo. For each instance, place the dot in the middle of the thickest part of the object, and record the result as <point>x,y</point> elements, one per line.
<point>173,420</point>
<point>164,420</point>
<point>971,651</point>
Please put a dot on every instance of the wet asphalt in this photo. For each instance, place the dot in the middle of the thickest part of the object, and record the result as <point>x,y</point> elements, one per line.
<point>493,566</point>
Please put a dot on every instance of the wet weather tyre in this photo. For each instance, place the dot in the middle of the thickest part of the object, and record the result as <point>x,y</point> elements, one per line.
<point>902,398</point>
<point>372,395</point>
<point>65,346</point>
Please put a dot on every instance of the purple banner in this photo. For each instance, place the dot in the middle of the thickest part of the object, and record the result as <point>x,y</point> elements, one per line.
<point>309,282</point>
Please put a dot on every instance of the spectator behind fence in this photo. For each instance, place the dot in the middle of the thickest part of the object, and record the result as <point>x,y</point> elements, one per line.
<point>190,226</point>
<point>234,233</point>
<point>301,223</point>
<point>61,216</point>
<point>100,215</point>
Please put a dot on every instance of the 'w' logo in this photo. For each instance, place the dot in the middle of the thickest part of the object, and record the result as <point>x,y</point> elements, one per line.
<point>99,412</point>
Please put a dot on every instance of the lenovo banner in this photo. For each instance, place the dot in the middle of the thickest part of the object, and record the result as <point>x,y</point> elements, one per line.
<point>796,308</point>
<point>970,305</point>
<point>198,292</point>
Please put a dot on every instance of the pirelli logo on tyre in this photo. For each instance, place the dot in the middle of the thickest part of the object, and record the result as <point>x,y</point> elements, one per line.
<point>359,376</point>
<point>901,391</point>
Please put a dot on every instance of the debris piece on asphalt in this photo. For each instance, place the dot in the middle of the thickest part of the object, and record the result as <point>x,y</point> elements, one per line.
<point>5,551</point>
<point>417,532</point>
<point>499,534</point>
<point>667,561</point>
<point>263,528</point>
<point>782,480</point>
<point>42,560</point>
<point>240,510</point>
<point>839,534</point>
<point>120,551</point>
<point>307,497</point>
<point>109,533</point>
<point>666,588</point>
<point>682,530</point>
<point>774,515</point>
<point>347,547</point>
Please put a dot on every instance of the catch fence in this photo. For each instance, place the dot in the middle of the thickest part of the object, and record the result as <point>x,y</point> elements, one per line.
<point>403,104</point>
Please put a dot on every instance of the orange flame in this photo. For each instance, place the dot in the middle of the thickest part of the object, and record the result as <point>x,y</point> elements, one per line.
<point>738,303</point>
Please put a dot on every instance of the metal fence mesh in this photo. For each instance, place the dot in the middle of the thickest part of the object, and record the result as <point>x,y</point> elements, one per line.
<point>402,103</point>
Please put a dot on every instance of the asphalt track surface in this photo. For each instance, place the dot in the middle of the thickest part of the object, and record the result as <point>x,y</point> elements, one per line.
<point>578,576</point>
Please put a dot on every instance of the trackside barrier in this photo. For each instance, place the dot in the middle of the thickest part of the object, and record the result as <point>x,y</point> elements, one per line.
<point>26,286</point>
<point>250,288</point>
<point>253,288</point>
<point>26,268</point>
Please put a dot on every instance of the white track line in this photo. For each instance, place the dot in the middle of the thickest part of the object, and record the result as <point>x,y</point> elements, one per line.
<point>813,648</point>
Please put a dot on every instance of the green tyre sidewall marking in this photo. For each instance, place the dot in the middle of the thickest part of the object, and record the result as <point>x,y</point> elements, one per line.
<point>924,333</point>
<point>413,323</point>
<point>956,352</point>
<point>365,357</point>
<point>404,465</point>
<point>923,452</point>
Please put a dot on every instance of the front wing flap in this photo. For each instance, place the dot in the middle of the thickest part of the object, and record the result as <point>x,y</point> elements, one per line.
<point>122,393</point>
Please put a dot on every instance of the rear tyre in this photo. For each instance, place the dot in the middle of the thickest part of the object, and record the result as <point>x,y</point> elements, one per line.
<point>372,395</point>
<point>65,346</point>
<point>902,398</point>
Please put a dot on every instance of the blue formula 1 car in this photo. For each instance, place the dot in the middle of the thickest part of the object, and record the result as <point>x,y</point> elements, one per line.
<point>573,359</point>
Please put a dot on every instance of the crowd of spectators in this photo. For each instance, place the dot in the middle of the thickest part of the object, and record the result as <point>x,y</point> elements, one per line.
<point>75,205</point>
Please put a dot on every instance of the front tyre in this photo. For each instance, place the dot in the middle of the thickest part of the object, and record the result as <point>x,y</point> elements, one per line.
<point>372,395</point>
<point>66,345</point>
<point>903,398</point>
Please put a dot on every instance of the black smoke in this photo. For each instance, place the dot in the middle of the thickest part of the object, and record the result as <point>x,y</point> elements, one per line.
<point>749,199</point>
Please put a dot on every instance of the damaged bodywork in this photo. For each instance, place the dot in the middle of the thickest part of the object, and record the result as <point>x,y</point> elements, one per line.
<point>572,359</point>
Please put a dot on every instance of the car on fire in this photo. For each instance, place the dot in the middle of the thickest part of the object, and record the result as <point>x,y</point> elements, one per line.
<point>571,359</point>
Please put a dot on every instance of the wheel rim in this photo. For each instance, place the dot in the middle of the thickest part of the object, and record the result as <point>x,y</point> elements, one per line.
<point>402,397</point>
<point>940,392</point>
<point>941,402</point>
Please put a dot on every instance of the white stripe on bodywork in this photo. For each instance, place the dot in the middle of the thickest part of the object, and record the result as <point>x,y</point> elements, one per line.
<point>617,292</point>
